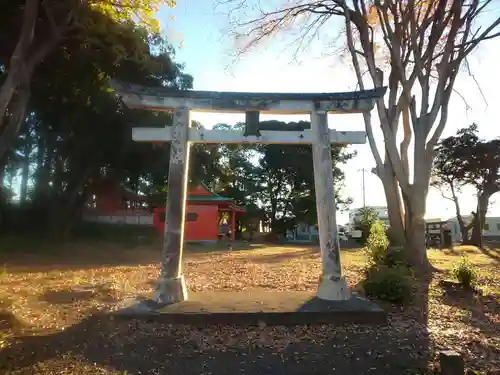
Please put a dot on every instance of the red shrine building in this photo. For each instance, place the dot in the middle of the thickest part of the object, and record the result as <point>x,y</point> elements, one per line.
<point>112,203</point>
<point>205,210</point>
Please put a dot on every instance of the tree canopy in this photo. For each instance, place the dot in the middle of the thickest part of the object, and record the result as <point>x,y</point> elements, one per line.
<point>75,132</point>
<point>415,48</point>
<point>466,160</point>
<point>34,29</point>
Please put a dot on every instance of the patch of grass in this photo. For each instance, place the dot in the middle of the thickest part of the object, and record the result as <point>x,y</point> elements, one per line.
<point>465,273</point>
<point>445,259</point>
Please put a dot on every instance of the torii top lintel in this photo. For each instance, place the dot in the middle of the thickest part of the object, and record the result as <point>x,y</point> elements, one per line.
<point>153,98</point>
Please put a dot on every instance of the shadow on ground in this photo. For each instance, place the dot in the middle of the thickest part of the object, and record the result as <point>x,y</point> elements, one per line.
<point>97,254</point>
<point>147,348</point>
<point>78,256</point>
<point>480,311</point>
<point>100,292</point>
<point>284,256</point>
<point>204,248</point>
<point>491,252</point>
<point>140,347</point>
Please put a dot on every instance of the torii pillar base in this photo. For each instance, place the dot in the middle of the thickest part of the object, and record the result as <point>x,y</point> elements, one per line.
<point>333,290</point>
<point>170,291</point>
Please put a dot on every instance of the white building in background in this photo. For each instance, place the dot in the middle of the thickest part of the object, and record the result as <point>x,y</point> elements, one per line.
<point>491,225</point>
<point>355,214</point>
<point>491,228</point>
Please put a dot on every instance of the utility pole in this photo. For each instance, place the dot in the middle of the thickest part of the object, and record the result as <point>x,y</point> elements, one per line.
<point>363,170</point>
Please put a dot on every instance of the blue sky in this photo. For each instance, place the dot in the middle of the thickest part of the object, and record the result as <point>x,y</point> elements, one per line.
<point>206,52</point>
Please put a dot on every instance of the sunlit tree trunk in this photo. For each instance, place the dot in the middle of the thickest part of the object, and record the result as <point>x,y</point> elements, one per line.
<point>482,209</point>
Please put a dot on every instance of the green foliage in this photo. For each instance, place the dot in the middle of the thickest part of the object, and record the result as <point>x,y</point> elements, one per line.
<point>278,177</point>
<point>364,220</point>
<point>393,284</point>
<point>132,10</point>
<point>465,273</point>
<point>78,133</point>
<point>386,278</point>
<point>379,250</point>
<point>377,242</point>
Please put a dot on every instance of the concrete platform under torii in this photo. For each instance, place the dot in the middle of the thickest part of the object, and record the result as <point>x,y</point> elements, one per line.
<point>250,308</point>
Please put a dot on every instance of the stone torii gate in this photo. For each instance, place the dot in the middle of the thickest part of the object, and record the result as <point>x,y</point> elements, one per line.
<point>171,287</point>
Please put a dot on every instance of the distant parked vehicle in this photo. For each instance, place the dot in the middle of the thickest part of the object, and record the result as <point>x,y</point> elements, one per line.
<point>343,235</point>
<point>356,233</point>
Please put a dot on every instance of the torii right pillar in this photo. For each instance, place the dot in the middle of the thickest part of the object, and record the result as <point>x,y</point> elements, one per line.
<point>332,285</point>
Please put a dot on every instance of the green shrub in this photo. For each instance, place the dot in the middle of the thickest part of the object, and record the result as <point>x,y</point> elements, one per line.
<point>377,243</point>
<point>393,284</point>
<point>464,272</point>
<point>380,251</point>
<point>377,235</point>
<point>395,256</point>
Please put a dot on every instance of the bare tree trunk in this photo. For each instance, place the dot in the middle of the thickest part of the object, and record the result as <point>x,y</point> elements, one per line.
<point>15,120</point>
<point>24,180</point>
<point>464,229</point>
<point>44,173</point>
<point>2,173</point>
<point>394,205</point>
<point>20,71</point>
<point>416,251</point>
<point>16,70</point>
<point>482,208</point>
<point>2,193</point>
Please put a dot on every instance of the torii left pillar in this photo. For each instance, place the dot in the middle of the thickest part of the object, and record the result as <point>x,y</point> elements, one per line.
<point>171,285</point>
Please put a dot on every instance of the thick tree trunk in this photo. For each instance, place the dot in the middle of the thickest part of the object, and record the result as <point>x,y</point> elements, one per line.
<point>15,119</point>
<point>24,180</point>
<point>42,187</point>
<point>394,205</point>
<point>2,173</point>
<point>2,193</point>
<point>464,229</point>
<point>415,250</point>
<point>16,70</point>
<point>482,208</point>
<point>18,80</point>
<point>415,205</point>
<point>20,70</point>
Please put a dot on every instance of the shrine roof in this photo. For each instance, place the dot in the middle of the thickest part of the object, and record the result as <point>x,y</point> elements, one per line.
<point>208,198</point>
<point>203,193</point>
<point>130,194</point>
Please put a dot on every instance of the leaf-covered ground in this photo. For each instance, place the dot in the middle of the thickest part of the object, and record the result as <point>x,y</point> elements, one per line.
<point>49,325</point>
